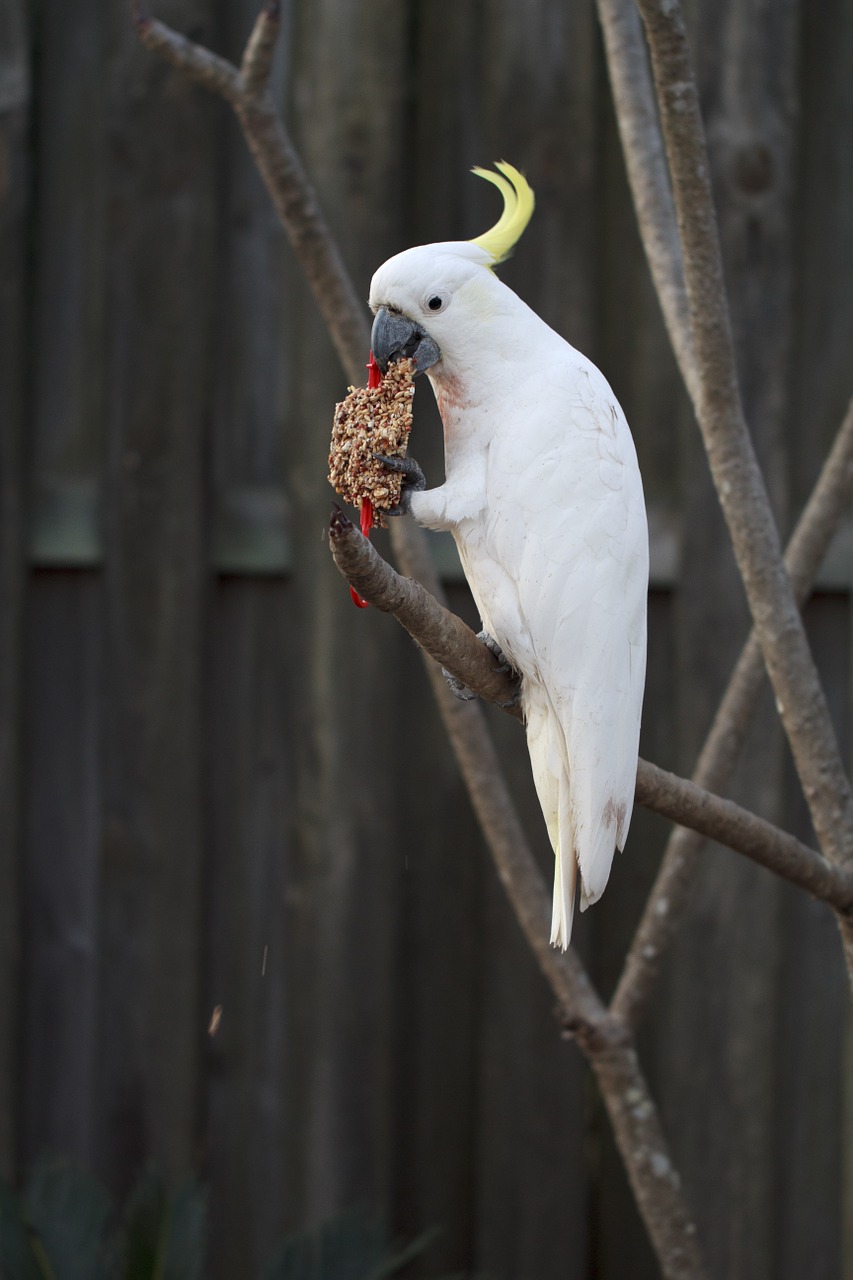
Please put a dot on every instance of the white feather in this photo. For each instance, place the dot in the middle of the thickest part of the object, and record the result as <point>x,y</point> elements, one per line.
<point>544,498</point>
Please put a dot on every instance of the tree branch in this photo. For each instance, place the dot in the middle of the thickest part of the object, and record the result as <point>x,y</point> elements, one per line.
<point>454,645</point>
<point>635,1119</point>
<point>827,505</point>
<point>612,1056</point>
<point>648,177</point>
<point>737,477</point>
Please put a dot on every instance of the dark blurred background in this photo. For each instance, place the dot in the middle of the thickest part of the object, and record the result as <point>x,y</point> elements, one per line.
<point>221,785</point>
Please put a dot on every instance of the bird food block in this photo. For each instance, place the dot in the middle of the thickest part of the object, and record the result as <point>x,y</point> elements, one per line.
<point>372,420</point>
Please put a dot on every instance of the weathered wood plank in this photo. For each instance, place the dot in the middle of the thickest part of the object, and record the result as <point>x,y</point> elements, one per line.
<point>438,961</point>
<point>728,958</point>
<point>62,775</point>
<point>14,286</point>
<point>619,1243</point>
<point>160,258</point>
<point>812,1183</point>
<point>249,802</point>
<point>348,86</point>
<point>527,1199</point>
<point>59,1110</point>
<point>250,762</point>
<point>821,383</point>
<point>258,782</point>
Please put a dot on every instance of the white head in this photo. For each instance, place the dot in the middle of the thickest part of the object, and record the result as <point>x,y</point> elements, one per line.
<point>434,302</point>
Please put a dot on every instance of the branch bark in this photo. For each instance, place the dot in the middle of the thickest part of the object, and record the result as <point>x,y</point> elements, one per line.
<point>829,501</point>
<point>612,1056</point>
<point>648,177</point>
<point>737,477</point>
<point>453,645</point>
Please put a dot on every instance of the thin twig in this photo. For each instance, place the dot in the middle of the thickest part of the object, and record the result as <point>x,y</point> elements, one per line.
<point>193,60</point>
<point>256,66</point>
<point>737,477</point>
<point>829,501</point>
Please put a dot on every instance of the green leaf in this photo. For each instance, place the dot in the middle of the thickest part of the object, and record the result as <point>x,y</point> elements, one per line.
<point>18,1258</point>
<point>185,1244</point>
<point>393,1263</point>
<point>145,1227</point>
<point>69,1210</point>
<point>353,1246</point>
<point>350,1247</point>
<point>164,1240</point>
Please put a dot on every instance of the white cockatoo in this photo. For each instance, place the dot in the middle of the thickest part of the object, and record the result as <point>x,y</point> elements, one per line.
<point>543,496</point>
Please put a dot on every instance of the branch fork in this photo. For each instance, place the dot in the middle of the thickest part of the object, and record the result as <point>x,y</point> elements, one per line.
<point>679,233</point>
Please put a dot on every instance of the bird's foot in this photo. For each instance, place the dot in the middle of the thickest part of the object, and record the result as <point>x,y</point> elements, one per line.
<point>458,687</point>
<point>414,481</point>
<point>504,665</point>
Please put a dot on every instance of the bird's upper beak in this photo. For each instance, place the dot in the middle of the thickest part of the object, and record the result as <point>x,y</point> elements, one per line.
<point>395,336</point>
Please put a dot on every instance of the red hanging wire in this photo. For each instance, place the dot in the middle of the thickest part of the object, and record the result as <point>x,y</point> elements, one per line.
<point>374,379</point>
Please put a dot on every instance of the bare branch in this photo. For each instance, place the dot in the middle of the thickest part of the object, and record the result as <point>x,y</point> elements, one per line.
<point>740,486</point>
<point>648,177</point>
<point>453,645</point>
<point>602,1037</point>
<point>827,505</point>
<point>194,60</point>
<point>729,824</point>
<point>443,635</point>
<point>633,1114</point>
<point>654,1179</point>
<point>256,65</point>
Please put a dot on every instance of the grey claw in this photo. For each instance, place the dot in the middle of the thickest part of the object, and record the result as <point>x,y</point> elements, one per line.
<point>494,648</point>
<point>466,695</point>
<point>414,481</point>
<point>504,665</point>
<point>457,688</point>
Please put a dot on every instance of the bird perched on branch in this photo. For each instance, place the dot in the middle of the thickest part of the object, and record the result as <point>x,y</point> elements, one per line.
<point>544,499</point>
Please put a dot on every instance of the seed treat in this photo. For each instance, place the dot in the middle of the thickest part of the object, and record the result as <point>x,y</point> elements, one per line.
<point>373,420</point>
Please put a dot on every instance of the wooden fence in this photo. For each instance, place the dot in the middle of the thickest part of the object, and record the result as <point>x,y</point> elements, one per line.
<point>221,785</point>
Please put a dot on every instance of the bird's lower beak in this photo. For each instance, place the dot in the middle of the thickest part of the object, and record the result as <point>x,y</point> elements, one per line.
<point>395,336</point>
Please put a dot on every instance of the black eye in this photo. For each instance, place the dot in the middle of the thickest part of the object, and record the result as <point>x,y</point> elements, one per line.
<point>435,303</point>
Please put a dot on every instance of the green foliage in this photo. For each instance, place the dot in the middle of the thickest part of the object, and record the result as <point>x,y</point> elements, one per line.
<point>163,1239</point>
<point>68,1211</point>
<point>65,1227</point>
<point>351,1247</point>
<point>18,1259</point>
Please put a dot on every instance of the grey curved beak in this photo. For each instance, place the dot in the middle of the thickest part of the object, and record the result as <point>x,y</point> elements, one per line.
<point>394,336</point>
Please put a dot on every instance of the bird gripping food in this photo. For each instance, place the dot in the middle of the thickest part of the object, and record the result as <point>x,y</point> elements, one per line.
<point>544,500</point>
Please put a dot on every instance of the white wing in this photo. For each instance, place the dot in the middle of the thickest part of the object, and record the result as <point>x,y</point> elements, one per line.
<point>558,564</point>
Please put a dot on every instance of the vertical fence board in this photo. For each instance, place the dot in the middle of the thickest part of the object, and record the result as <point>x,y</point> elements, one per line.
<point>234,770</point>
<point>824,246</point>
<point>728,958</point>
<point>439,955</point>
<point>68,409</point>
<point>812,1194</point>
<point>14,201</point>
<point>61,878</point>
<point>161,200</point>
<point>250,760</point>
<point>347,67</point>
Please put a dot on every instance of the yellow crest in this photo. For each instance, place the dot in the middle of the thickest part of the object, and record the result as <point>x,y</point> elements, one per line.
<point>518,207</point>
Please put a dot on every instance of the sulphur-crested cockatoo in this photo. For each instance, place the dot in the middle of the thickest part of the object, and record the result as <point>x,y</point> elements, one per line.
<point>543,496</point>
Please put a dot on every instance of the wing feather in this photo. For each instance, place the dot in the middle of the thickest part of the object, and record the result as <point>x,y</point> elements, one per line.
<point>559,570</point>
